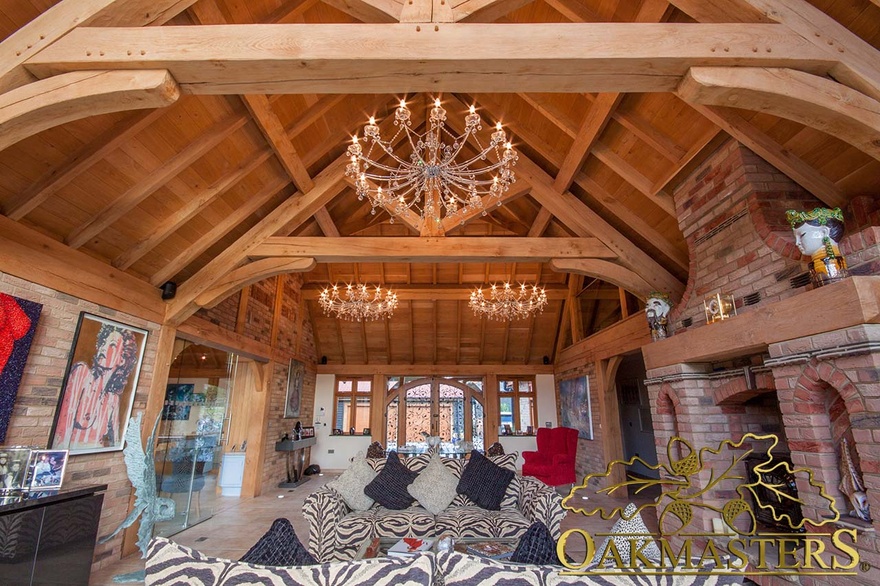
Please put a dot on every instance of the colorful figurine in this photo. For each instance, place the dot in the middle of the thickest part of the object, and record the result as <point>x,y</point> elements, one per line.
<point>657,309</point>
<point>817,233</point>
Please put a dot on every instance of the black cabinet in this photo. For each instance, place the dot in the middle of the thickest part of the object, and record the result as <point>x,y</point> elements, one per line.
<point>49,538</point>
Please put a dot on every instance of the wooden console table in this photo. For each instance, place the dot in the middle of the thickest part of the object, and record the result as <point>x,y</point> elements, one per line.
<point>296,451</point>
<point>49,537</point>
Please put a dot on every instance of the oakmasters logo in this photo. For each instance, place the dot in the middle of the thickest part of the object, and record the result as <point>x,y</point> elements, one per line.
<point>709,487</point>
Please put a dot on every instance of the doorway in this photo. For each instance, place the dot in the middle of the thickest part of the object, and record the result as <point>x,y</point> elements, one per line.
<point>636,423</point>
<point>192,431</point>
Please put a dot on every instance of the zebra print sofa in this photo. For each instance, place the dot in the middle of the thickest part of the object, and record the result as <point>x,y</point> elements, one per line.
<point>336,533</point>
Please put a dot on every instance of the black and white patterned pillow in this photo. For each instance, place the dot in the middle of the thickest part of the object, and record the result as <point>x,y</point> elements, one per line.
<point>279,547</point>
<point>622,533</point>
<point>389,487</point>
<point>484,482</point>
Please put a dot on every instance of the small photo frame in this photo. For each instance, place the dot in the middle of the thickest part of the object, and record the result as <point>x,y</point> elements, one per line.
<point>13,468</point>
<point>308,432</point>
<point>46,469</point>
<point>337,431</point>
<point>366,431</point>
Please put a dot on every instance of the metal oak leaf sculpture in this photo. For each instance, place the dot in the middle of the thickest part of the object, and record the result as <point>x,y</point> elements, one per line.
<point>141,468</point>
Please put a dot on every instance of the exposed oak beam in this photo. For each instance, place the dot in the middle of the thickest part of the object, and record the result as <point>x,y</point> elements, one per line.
<point>371,58</point>
<point>486,10</point>
<point>273,131</point>
<point>322,216</point>
<point>610,272</point>
<point>542,220</point>
<point>43,104</point>
<point>594,124</point>
<point>453,249</point>
<point>249,274</point>
<point>812,101</point>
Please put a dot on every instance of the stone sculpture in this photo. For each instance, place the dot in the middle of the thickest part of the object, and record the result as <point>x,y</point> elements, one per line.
<point>817,233</point>
<point>851,483</point>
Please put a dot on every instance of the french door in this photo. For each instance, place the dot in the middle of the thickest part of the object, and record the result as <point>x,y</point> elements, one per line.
<point>438,406</point>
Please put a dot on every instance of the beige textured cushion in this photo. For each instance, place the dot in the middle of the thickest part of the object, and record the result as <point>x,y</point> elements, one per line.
<point>350,484</point>
<point>434,487</point>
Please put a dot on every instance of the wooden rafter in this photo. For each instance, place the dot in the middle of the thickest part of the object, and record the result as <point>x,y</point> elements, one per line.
<point>559,57</point>
<point>634,177</point>
<point>542,220</point>
<point>594,124</point>
<point>272,129</point>
<point>486,10</point>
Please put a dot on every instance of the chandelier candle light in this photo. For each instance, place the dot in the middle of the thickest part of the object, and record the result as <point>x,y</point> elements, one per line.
<point>508,303</point>
<point>430,180</point>
<point>357,303</point>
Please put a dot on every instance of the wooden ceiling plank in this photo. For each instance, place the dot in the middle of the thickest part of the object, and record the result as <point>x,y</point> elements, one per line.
<point>813,101</point>
<point>272,129</point>
<point>314,113</point>
<point>573,11</point>
<point>341,339</point>
<point>412,333</point>
<point>542,220</point>
<point>294,211</point>
<point>290,10</point>
<point>154,180</point>
<point>363,330</point>
<point>458,340</point>
<point>76,164</point>
<point>190,253</point>
<point>796,168</point>
<point>572,212</point>
<point>387,325</point>
<point>697,148</point>
<point>633,220</point>
<point>719,11</point>
<point>243,59</point>
<point>505,343</point>
<point>369,10</point>
<point>633,176</point>
<point>594,123</point>
<point>193,207</point>
<point>434,249</point>
<point>650,135</point>
<point>563,125</point>
<point>322,216</point>
<point>43,104</point>
<point>486,10</point>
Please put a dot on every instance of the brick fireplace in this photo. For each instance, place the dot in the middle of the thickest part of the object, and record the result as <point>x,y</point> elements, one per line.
<point>803,364</point>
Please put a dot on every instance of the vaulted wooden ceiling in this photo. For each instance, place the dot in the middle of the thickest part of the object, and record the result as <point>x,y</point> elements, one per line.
<point>233,168</point>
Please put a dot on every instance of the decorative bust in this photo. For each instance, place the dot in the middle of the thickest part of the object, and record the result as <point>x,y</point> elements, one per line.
<point>816,234</point>
<point>657,310</point>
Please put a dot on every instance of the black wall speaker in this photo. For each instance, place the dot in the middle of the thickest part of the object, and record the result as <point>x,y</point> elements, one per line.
<point>323,360</point>
<point>546,360</point>
<point>169,290</point>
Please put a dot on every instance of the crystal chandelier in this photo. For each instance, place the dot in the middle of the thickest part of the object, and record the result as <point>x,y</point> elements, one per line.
<point>357,303</point>
<point>509,303</point>
<point>430,179</point>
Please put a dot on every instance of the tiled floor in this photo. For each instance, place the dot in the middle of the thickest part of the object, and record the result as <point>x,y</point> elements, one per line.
<point>238,523</point>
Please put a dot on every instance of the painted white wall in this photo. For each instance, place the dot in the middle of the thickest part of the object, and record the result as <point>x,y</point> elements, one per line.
<point>545,389</point>
<point>332,452</point>
<point>344,447</point>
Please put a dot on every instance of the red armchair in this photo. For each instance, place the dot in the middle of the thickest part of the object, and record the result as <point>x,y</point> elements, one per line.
<point>553,463</point>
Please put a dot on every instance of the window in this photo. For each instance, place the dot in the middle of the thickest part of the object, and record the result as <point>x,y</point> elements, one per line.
<point>517,405</point>
<point>352,400</point>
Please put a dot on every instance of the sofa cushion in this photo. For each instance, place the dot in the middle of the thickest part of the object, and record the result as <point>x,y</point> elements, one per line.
<point>411,522</point>
<point>484,482</point>
<point>279,546</point>
<point>350,484</point>
<point>474,521</point>
<point>389,487</point>
<point>171,564</point>
<point>459,569</point>
<point>434,487</point>
<point>536,547</point>
<point>511,496</point>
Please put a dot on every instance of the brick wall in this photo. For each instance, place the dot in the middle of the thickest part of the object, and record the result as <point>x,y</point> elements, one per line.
<point>40,388</point>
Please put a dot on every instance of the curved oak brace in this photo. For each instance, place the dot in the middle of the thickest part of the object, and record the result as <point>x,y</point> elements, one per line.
<point>809,99</point>
<point>607,271</point>
<point>251,273</point>
<point>32,108</point>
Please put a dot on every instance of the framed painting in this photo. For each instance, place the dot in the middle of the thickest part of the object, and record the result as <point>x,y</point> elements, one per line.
<point>575,406</point>
<point>293,401</point>
<point>99,386</point>
<point>18,322</point>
